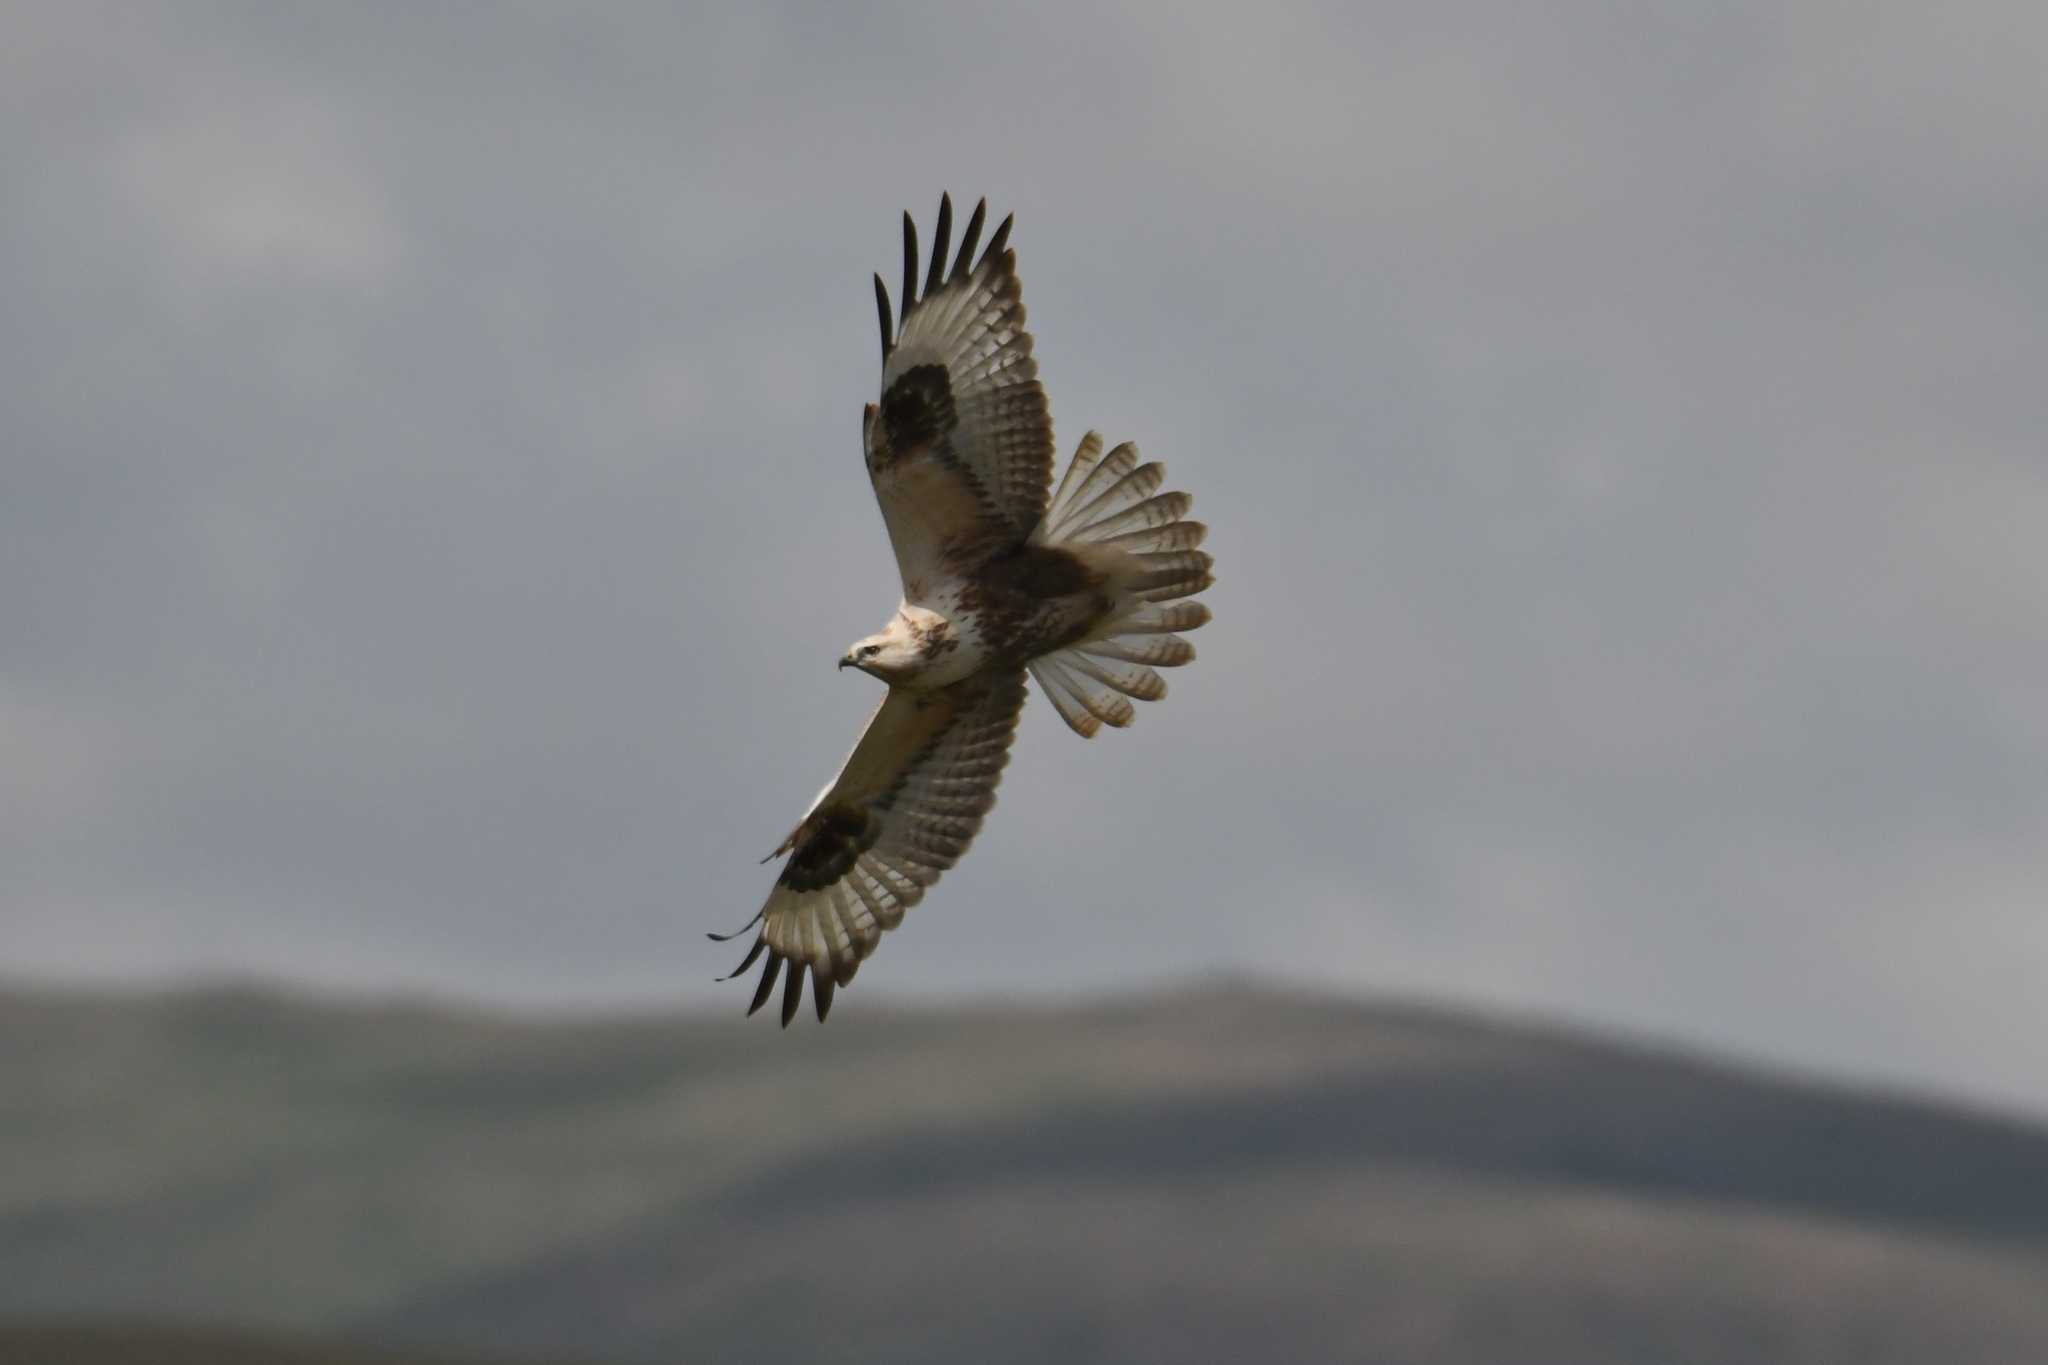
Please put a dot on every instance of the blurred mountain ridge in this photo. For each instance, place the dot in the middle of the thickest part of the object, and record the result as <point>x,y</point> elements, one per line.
<point>1223,1167</point>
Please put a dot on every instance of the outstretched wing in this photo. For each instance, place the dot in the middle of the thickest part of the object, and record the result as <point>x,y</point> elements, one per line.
<point>960,446</point>
<point>903,810</point>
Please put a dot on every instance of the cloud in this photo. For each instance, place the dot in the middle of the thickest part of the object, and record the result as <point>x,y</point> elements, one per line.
<point>261,187</point>
<point>433,503</point>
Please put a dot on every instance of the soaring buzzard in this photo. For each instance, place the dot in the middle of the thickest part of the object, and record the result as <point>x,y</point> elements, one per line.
<point>1084,590</point>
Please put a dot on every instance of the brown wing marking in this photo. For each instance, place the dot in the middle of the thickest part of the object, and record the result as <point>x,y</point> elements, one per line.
<point>924,488</point>
<point>917,412</point>
<point>827,843</point>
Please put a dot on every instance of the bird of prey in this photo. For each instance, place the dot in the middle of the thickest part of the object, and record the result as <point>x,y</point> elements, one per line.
<point>1085,589</point>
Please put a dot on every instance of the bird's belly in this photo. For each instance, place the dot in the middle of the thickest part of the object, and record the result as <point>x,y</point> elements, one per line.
<point>961,654</point>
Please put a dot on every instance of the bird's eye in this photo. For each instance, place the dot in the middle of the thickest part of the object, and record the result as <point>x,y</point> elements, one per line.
<point>870,651</point>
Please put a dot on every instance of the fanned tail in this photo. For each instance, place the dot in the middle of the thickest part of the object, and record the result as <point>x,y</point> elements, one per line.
<point>1108,510</point>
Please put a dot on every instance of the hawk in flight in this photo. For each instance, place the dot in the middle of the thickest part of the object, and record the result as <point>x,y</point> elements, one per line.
<point>1085,589</point>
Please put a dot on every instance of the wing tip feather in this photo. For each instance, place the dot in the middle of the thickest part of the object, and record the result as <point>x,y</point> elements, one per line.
<point>822,986</point>
<point>970,239</point>
<point>792,990</point>
<point>767,984</point>
<point>1001,241</point>
<point>909,266</point>
<point>888,326</point>
<point>942,236</point>
<point>746,961</point>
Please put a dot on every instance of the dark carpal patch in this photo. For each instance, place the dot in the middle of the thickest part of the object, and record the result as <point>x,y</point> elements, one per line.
<point>917,411</point>
<point>827,845</point>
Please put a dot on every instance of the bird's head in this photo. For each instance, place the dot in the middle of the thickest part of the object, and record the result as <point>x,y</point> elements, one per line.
<point>891,653</point>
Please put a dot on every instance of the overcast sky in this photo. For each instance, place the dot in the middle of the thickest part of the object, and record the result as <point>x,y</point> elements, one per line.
<point>431,505</point>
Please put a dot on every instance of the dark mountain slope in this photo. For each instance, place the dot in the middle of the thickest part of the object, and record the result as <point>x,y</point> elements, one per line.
<point>1187,1177</point>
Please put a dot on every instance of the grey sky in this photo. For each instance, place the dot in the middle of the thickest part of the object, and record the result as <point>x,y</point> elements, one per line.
<point>432,503</point>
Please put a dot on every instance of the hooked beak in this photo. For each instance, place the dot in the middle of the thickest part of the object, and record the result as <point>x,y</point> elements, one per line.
<point>845,659</point>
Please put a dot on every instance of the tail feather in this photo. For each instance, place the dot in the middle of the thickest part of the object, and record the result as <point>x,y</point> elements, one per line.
<point>1086,456</point>
<point>1179,588</point>
<point>1160,618</point>
<point>1109,508</point>
<point>1077,493</point>
<point>1161,651</point>
<point>1169,568</point>
<point>1133,680</point>
<point>1175,535</point>
<point>1152,512</point>
<point>1128,491</point>
<point>1051,682</point>
<point>1082,705</point>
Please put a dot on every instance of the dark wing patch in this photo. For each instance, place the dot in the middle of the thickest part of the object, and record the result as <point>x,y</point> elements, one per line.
<point>917,411</point>
<point>826,845</point>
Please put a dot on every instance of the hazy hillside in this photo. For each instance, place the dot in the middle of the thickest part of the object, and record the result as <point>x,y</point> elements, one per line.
<point>115,1342</point>
<point>1193,1177</point>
